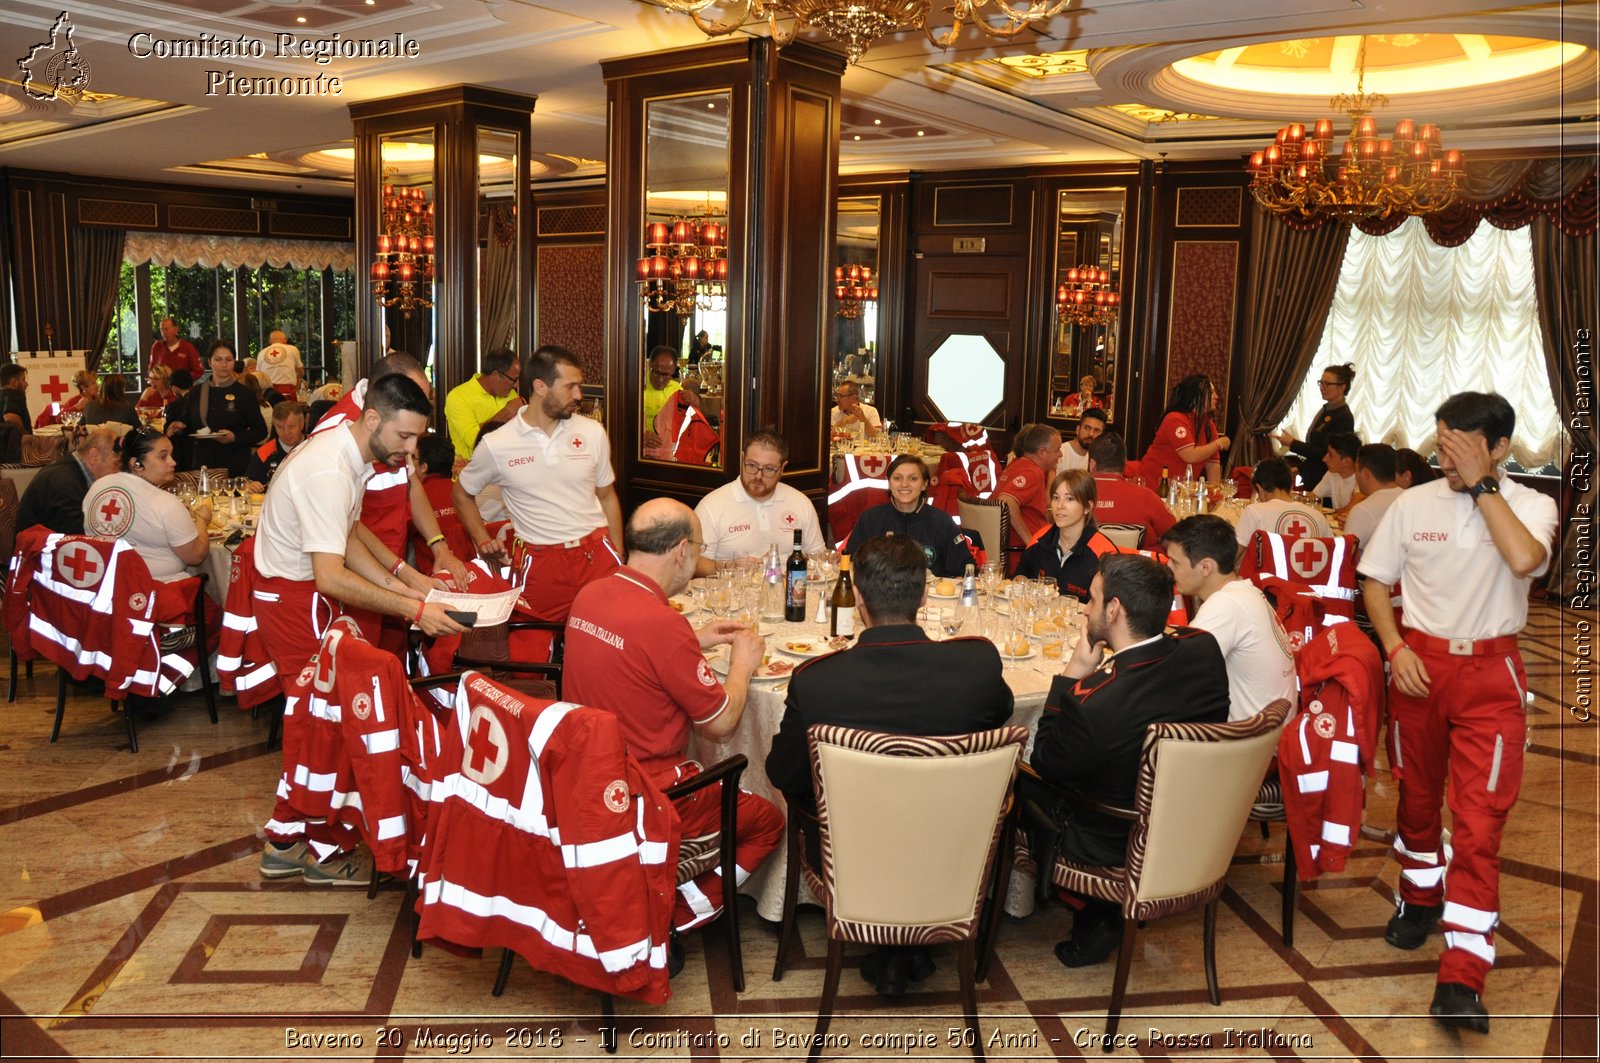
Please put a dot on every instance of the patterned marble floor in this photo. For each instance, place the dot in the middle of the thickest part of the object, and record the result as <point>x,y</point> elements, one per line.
<point>133,925</point>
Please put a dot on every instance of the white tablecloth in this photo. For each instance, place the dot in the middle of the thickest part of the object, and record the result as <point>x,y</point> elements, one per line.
<point>1029,680</point>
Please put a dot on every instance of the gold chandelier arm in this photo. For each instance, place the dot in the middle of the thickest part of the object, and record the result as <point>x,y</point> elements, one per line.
<point>1017,19</point>
<point>716,27</point>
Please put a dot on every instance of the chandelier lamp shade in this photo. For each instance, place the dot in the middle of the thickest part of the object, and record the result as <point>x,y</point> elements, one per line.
<point>853,287</point>
<point>1299,178</point>
<point>1087,297</point>
<point>856,24</point>
<point>402,267</point>
<point>685,265</point>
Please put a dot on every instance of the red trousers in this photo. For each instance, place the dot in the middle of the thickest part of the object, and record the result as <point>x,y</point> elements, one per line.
<point>760,831</point>
<point>553,575</point>
<point>1471,724</point>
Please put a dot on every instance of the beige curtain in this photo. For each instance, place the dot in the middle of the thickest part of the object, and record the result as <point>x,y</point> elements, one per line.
<point>1292,278</point>
<point>497,280</point>
<point>96,270</point>
<point>1565,281</point>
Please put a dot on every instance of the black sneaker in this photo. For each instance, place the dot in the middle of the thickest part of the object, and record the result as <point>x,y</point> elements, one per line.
<point>1090,944</point>
<point>1410,925</point>
<point>1456,1005</point>
<point>674,955</point>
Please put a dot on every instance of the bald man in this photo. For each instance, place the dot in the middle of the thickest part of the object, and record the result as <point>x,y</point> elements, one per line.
<point>628,650</point>
<point>280,360</point>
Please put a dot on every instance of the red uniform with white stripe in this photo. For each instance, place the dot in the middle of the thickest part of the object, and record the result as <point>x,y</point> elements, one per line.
<point>89,605</point>
<point>629,651</point>
<point>1325,566</point>
<point>358,765</point>
<point>545,837</point>
<point>1328,748</point>
<point>1464,608</point>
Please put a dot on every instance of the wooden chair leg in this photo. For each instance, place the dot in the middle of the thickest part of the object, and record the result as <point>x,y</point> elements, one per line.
<point>791,897</point>
<point>608,1023</point>
<point>11,688</point>
<point>1119,983</point>
<point>1291,891</point>
<point>1211,953</point>
<point>996,908</point>
<point>730,889</point>
<point>275,725</point>
<point>61,702</point>
<point>830,992</point>
<point>127,720</point>
<point>504,973</point>
<point>967,961</point>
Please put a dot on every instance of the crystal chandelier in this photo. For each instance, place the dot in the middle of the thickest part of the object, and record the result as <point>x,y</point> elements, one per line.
<point>1299,179</point>
<point>853,286</point>
<point>1087,297</point>
<point>685,265</point>
<point>402,268</point>
<point>856,24</point>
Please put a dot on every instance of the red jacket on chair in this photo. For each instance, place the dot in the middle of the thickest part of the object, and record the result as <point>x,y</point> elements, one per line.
<point>1325,566</point>
<point>242,659</point>
<point>1329,746</point>
<point>89,605</point>
<point>546,838</point>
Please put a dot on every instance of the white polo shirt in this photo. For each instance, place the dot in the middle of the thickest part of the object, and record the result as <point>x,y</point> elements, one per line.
<point>1281,516</point>
<point>548,481</point>
<point>125,506</point>
<point>1456,583</point>
<point>1071,459</point>
<point>1339,488</point>
<point>1365,514</point>
<point>281,362</point>
<point>312,503</point>
<point>1255,648</point>
<point>836,418</point>
<point>735,525</point>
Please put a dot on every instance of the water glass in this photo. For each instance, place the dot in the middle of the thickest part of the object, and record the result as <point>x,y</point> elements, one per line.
<point>950,621</point>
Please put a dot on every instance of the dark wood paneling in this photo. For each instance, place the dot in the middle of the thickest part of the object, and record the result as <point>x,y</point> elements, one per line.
<point>969,293</point>
<point>957,206</point>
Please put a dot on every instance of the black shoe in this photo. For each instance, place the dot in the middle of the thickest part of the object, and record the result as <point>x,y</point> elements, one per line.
<point>1410,925</point>
<point>674,955</point>
<point>1090,945</point>
<point>1456,1005</point>
<point>920,965</point>
<point>889,970</point>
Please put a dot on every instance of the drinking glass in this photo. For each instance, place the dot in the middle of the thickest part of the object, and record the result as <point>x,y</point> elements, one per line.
<point>718,598</point>
<point>951,621</point>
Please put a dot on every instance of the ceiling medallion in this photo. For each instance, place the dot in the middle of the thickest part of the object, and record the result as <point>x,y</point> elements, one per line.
<point>1298,177</point>
<point>856,24</point>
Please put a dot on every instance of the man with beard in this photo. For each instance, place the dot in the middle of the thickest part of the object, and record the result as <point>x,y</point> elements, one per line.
<point>554,471</point>
<point>311,553</point>
<point>748,516</point>
<point>1091,733</point>
<point>1075,454</point>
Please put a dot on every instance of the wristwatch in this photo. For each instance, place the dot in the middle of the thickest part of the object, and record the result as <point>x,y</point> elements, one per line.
<point>1486,486</point>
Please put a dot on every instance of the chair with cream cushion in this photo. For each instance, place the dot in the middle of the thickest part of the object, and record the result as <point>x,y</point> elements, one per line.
<point>1196,785</point>
<point>1126,536</point>
<point>909,828</point>
<point>992,521</point>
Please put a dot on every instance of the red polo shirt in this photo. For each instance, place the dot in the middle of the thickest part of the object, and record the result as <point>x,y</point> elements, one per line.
<point>1025,482</point>
<point>1120,502</point>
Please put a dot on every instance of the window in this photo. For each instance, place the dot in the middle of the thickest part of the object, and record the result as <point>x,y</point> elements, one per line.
<point>1421,322</point>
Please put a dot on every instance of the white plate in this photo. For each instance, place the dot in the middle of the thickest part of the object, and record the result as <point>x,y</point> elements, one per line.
<point>764,674</point>
<point>48,430</point>
<point>683,604</point>
<point>944,597</point>
<point>203,433</point>
<point>813,647</point>
<point>1017,656</point>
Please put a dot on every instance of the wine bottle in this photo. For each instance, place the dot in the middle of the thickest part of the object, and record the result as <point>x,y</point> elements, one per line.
<point>842,605</point>
<point>1165,487</point>
<point>794,605</point>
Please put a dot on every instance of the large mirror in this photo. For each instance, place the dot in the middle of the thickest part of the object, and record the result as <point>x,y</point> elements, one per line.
<point>855,316</point>
<point>403,271</point>
<point>683,276</point>
<point>1084,368</point>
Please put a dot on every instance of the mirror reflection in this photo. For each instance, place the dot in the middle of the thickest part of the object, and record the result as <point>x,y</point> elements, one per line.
<point>1088,280</point>
<point>683,276</point>
<point>497,240</point>
<point>403,270</point>
<point>855,319</point>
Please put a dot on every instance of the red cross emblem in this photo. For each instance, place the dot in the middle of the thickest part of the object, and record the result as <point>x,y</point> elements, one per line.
<point>112,515</point>
<point>703,673</point>
<point>788,518</point>
<point>1308,557</point>
<point>273,354</point>
<point>1293,524</point>
<point>1324,724</point>
<point>577,443</point>
<point>361,705</point>
<point>55,388</point>
<point>137,601</point>
<point>487,753</point>
<point>1020,481</point>
<point>80,565</point>
<point>616,796</point>
<point>982,475</point>
<point>1180,432</point>
<point>872,466</point>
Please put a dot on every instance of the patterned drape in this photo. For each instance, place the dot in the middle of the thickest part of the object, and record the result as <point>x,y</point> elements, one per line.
<point>96,272</point>
<point>232,252</point>
<point>1420,322</point>
<point>1566,282</point>
<point>1288,292</point>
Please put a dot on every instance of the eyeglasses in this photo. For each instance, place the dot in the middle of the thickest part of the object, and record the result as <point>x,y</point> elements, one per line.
<point>1330,383</point>
<point>507,375</point>
<point>765,470</point>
